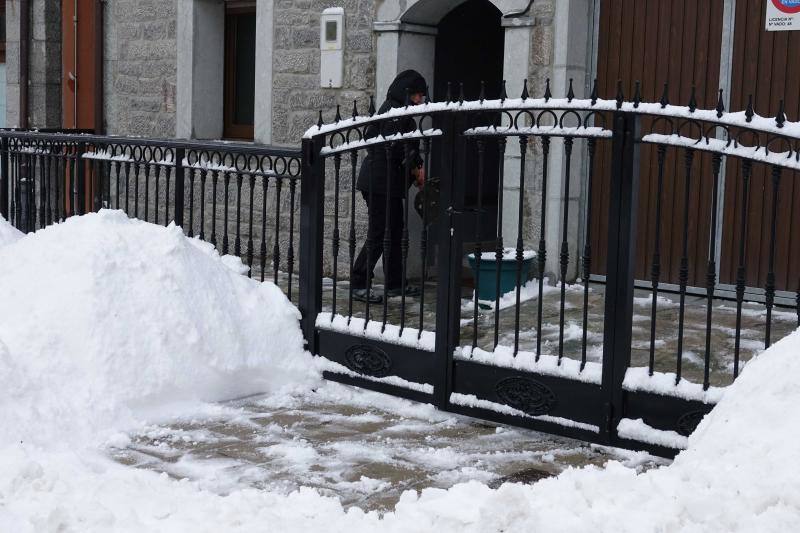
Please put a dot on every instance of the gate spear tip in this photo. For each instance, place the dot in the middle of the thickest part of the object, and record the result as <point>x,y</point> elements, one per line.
<point>525,89</point>
<point>637,96</point>
<point>338,117</point>
<point>665,96</point>
<point>780,119</point>
<point>620,95</point>
<point>320,122</point>
<point>482,96</point>
<point>749,111</point>
<point>693,99</point>
<point>461,92</point>
<point>503,93</point>
<point>355,108</point>
<point>371,105</point>
<point>594,92</point>
<point>570,92</point>
<point>720,105</point>
<point>547,94</point>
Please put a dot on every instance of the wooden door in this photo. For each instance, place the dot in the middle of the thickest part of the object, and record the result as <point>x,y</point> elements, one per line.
<point>766,65</point>
<point>658,41</point>
<point>81,64</point>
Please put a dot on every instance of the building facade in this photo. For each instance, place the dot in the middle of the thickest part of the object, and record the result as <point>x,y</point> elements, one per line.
<point>253,69</point>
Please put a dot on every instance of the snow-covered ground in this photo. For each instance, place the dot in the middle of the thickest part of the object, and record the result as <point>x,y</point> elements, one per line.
<point>109,325</point>
<point>8,233</point>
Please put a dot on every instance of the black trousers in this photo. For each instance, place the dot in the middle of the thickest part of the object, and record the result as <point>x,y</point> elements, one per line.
<point>393,268</point>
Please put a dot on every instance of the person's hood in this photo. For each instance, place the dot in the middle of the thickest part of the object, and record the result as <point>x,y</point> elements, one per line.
<point>408,81</point>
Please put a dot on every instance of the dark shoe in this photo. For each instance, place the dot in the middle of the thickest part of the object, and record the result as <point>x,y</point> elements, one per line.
<point>412,291</point>
<point>362,296</point>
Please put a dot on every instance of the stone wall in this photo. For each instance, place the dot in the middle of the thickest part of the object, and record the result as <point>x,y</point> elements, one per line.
<point>297,96</point>
<point>140,67</point>
<point>44,89</point>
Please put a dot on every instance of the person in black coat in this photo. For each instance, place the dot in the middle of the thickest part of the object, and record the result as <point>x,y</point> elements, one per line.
<point>383,181</point>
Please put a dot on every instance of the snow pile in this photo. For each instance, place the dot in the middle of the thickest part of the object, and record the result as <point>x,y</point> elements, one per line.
<point>8,233</point>
<point>102,313</point>
<point>105,320</point>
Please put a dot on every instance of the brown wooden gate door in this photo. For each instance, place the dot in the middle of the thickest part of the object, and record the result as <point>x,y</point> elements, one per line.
<point>766,65</point>
<point>655,42</point>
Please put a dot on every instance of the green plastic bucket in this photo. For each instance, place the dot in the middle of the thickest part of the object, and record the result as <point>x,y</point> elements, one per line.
<point>487,291</point>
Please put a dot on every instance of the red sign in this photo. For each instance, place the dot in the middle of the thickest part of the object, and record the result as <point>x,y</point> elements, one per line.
<point>787,6</point>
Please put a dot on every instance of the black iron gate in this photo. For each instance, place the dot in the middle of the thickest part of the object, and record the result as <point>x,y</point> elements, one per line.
<point>607,363</point>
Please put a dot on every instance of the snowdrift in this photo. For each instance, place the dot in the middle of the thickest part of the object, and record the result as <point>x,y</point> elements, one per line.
<point>8,233</point>
<point>105,319</point>
<point>103,313</point>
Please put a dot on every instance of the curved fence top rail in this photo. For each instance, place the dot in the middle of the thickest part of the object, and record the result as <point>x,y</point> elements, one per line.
<point>105,140</point>
<point>715,117</point>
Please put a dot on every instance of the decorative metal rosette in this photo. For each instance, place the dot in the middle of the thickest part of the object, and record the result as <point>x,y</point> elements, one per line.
<point>527,395</point>
<point>368,360</point>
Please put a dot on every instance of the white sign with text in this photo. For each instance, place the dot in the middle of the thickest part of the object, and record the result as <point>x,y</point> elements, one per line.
<point>783,15</point>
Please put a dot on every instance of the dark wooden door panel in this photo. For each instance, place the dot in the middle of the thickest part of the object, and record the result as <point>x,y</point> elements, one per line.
<point>654,42</point>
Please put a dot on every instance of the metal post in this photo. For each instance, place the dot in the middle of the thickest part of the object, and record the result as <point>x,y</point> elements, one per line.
<point>621,269</point>
<point>312,207</point>
<point>4,180</point>
<point>80,180</point>
<point>180,155</point>
<point>448,296</point>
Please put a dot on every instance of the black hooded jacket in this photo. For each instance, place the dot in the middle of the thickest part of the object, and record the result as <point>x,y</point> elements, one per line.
<point>374,168</point>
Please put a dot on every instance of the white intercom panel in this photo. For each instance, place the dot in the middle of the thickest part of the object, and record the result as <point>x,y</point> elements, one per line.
<point>331,48</point>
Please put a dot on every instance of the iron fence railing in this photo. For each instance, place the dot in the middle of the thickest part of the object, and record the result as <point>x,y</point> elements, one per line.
<point>588,362</point>
<point>242,198</point>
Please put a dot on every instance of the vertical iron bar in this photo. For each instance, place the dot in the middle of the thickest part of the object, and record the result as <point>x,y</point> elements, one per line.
<point>499,245</point>
<point>404,236</point>
<point>180,184</point>
<point>214,180</point>
<point>263,250</point>
<point>655,269</point>
<point>423,239</point>
<point>587,250</point>
<point>237,243</point>
<point>683,273</point>
<point>136,169</point>
<point>352,235</point>
<point>157,196</point>
<point>203,176</point>
<point>337,166</point>
<point>741,271</point>
<point>290,253</point>
<point>369,241</point>
<point>5,181</point>
<point>80,174</point>
<point>564,256</point>
<point>250,251</point>
<point>770,288</point>
<point>711,271</point>
<point>387,233</point>
<point>147,168</point>
<point>226,194</point>
<point>167,197</point>
<point>523,150</point>
<point>276,248</point>
<point>481,145</point>
<point>42,189</point>
<point>541,254</point>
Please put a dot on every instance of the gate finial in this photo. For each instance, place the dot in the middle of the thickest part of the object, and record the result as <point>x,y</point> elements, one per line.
<point>637,95</point>
<point>371,105</point>
<point>461,93</point>
<point>320,121</point>
<point>693,99</point>
<point>665,96</point>
<point>449,95</point>
<point>482,96</point>
<point>749,111</point>
<point>338,118</point>
<point>547,94</point>
<point>780,119</point>
<point>594,92</point>
<point>620,95</point>
<point>525,94</point>
<point>355,108</point>
<point>503,93</point>
<point>720,105</point>
<point>570,92</point>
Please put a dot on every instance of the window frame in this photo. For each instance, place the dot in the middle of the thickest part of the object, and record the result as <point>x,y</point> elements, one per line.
<point>232,130</point>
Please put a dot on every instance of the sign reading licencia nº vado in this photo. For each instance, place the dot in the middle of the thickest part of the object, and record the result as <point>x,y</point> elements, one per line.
<point>783,15</point>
